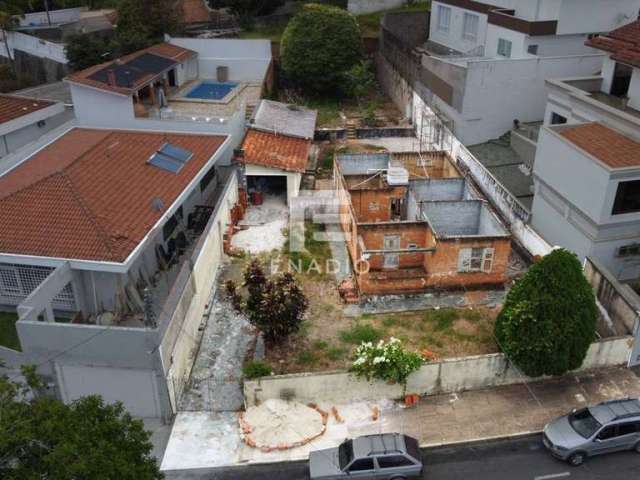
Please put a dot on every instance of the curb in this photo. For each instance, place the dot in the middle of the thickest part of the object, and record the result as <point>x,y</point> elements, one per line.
<point>473,441</point>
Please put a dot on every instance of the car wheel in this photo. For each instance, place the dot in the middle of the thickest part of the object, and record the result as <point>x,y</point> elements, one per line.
<point>576,459</point>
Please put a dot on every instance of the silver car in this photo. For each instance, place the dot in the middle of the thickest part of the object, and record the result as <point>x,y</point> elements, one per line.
<point>610,426</point>
<point>388,456</point>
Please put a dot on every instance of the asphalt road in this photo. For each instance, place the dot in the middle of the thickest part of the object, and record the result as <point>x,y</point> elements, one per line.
<point>521,459</point>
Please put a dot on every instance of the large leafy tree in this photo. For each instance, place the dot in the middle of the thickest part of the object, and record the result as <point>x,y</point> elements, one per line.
<point>41,437</point>
<point>549,317</point>
<point>10,13</point>
<point>319,46</point>
<point>149,18</point>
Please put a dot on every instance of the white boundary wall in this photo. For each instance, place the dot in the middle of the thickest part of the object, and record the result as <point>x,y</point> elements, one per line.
<point>35,46</point>
<point>358,7</point>
<point>447,376</point>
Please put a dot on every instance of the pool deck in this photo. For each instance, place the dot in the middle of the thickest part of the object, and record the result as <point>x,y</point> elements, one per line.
<point>245,93</point>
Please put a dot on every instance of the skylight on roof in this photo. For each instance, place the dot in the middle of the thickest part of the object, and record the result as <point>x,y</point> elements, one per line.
<point>170,158</point>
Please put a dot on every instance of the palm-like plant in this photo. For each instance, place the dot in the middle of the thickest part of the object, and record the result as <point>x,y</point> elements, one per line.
<point>9,20</point>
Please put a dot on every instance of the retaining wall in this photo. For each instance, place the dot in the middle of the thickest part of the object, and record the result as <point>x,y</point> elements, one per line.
<point>358,7</point>
<point>447,376</point>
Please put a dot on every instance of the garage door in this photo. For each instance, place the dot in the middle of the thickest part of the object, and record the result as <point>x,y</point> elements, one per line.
<point>136,389</point>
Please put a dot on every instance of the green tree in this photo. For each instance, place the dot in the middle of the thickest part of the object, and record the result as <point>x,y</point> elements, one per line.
<point>319,46</point>
<point>148,18</point>
<point>86,50</point>
<point>549,317</point>
<point>10,14</point>
<point>41,437</point>
<point>360,79</point>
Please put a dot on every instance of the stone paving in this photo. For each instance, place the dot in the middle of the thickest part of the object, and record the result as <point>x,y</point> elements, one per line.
<point>210,440</point>
<point>216,377</point>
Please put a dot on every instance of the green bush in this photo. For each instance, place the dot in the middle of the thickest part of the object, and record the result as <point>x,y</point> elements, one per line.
<point>319,46</point>
<point>549,317</point>
<point>256,369</point>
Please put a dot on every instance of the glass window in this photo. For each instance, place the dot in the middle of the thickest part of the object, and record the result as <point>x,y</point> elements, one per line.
<point>504,47</point>
<point>627,198</point>
<point>394,461</point>
<point>470,26</point>
<point>584,423</point>
<point>628,428</point>
<point>444,18</point>
<point>532,49</point>
<point>361,464</point>
<point>412,447</point>
<point>345,453</point>
<point>607,433</point>
<point>476,259</point>
<point>208,177</point>
<point>557,119</point>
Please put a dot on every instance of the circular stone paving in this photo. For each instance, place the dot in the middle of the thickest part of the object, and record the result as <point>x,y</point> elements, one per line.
<point>281,425</point>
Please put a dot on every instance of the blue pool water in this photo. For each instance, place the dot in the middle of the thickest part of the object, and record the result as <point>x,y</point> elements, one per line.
<point>211,90</point>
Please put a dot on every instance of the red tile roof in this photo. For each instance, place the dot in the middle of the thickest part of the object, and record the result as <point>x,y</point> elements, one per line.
<point>609,146</point>
<point>164,50</point>
<point>12,107</point>
<point>275,151</point>
<point>89,194</point>
<point>194,11</point>
<point>623,42</point>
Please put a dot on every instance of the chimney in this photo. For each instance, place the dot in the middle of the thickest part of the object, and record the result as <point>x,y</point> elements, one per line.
<point>111,77</point>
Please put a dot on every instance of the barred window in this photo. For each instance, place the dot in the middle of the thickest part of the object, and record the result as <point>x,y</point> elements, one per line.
<point>444,18</point>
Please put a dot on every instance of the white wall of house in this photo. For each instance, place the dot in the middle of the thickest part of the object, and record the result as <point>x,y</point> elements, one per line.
<point>518,42</point>
<point>359,7</point>
<point>499,91</point>
<point>453,36</point>
<point>247,60</point>
<point>558,45</point>
<point>608,68</point>
<point>634,89</point>
<point>16,139</point>
<point>595,16</point>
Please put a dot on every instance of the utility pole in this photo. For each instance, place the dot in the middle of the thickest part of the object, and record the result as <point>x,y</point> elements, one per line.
<point>46,7</point>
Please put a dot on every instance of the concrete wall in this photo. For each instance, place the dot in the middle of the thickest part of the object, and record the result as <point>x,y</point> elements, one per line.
<point>603,15</point>
<point>517,39</point>
<point>358,7</point>
<point>447,376</point>
<point>65,15</point>
<point>27,134</point>
<point>453,38</point>
<point>247,60</point>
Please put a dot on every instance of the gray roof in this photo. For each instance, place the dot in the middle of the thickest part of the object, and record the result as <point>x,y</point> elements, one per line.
<point>55,92</point>
<point>283,118</point>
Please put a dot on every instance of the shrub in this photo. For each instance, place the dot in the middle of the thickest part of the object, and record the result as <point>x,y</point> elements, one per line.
<point>360,333</point>
<point>359,79</point>
<point>549,317</point>
<point>319,46</point>
<point>256,369</point>
<point>232,294</point>
<point>385,361</point>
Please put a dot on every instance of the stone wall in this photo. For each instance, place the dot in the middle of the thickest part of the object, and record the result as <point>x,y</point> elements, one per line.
<point>447,376</point>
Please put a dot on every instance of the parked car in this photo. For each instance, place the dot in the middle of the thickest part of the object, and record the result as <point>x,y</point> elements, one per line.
<point>610,426</point>
<point>388,456</point>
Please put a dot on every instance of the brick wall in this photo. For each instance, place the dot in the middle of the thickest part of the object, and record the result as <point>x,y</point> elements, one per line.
<point>375,205</point>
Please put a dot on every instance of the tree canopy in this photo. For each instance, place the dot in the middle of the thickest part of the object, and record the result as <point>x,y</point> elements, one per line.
<point>319,46</point>
<point>41,437</point>
<point>549,317</point>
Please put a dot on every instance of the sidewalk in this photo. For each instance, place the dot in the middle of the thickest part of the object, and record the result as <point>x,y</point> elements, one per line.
<point>209,440</point>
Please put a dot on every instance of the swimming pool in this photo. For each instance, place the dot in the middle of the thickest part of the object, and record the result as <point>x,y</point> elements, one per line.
<point>210,90</point>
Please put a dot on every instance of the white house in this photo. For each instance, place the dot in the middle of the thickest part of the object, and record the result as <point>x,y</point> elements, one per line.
<point>485,64</point>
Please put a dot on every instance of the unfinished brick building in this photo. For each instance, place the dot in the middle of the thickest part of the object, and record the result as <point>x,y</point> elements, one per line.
<point>412,223</point>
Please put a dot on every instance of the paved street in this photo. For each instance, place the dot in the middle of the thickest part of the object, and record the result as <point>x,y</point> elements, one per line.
<point>521,459</point>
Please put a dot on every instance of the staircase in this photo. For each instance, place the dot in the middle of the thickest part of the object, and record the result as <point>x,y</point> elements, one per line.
<point>351,130</point>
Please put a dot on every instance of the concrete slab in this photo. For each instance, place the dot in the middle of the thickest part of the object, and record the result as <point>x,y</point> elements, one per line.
<point>263,226</point>
<point>394,144</point>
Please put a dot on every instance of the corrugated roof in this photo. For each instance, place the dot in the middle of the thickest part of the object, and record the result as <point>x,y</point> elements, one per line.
<point>275,151</point>
<point>89,195</point>
<point>13,107</point>
<point>623,42</point>
<point>607,145</point>
<point>96,77</point>
<point>292,120</point>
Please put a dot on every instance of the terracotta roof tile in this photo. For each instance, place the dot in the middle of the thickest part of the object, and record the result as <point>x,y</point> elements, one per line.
<point>607,145</point>
<point>12,107</point>
<point>276,151</point>
<point>89,194</point>
<point>623,42</point>
<point>194,11</point>
<point>166,51</point>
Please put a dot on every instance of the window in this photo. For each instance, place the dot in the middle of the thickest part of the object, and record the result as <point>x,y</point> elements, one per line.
<point>628,428</point>
<point>444,18</point>
<point>607,433</point>
<point>374,206</point>
<point>361,465</point>
<point>557,119</point>
<point>627,198</point>
<point>629,250</point>
<point>412,246</point>
<point>345,453</point>
<point>475,260</point>
<point>532,49</point>
<point>470,27</point>
<point>394,461</point>
<point>504,47</point>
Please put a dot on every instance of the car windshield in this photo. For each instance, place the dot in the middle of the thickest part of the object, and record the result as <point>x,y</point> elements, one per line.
<point>345,453</point>
<point>584,423</point>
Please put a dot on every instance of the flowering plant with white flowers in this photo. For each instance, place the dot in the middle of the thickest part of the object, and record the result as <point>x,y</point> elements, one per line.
<point>388,361</point>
